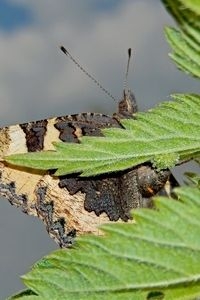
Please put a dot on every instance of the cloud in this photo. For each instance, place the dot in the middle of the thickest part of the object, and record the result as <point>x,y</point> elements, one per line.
<point>38,81</point>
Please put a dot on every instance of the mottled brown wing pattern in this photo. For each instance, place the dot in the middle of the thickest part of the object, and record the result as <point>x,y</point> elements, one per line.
<point>38,193</point>
<point>70,205</point>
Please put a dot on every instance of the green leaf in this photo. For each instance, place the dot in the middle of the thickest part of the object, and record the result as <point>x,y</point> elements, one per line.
<point>160,253</point>
<point>193,179</point>
<point>167,159</point>
<point>161,135</point>
<point>194,5</point>
<point>185,41</point>
<point>25,295</point>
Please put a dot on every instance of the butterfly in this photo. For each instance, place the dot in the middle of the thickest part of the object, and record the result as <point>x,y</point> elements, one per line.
<point>69,205</point>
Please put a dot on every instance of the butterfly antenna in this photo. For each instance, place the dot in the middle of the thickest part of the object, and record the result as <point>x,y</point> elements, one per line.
<point>127,70</point>
<point>66,52</point>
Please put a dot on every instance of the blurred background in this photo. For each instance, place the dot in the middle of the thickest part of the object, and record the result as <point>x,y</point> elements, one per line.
<point>38,81</point>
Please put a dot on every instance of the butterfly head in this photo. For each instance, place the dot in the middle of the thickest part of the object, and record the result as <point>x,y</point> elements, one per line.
<point>127,106</point>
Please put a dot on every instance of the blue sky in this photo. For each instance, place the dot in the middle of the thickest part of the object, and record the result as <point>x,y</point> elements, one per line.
<point>37,81</point>
<point>14,16</point>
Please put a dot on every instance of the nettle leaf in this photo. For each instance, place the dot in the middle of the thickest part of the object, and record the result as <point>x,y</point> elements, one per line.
<point>164,135</point>
<point>192,4</point>
<point>157,255</point>
<point>25,295</point>
<point>185,41</point>
<point>192,179</point>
